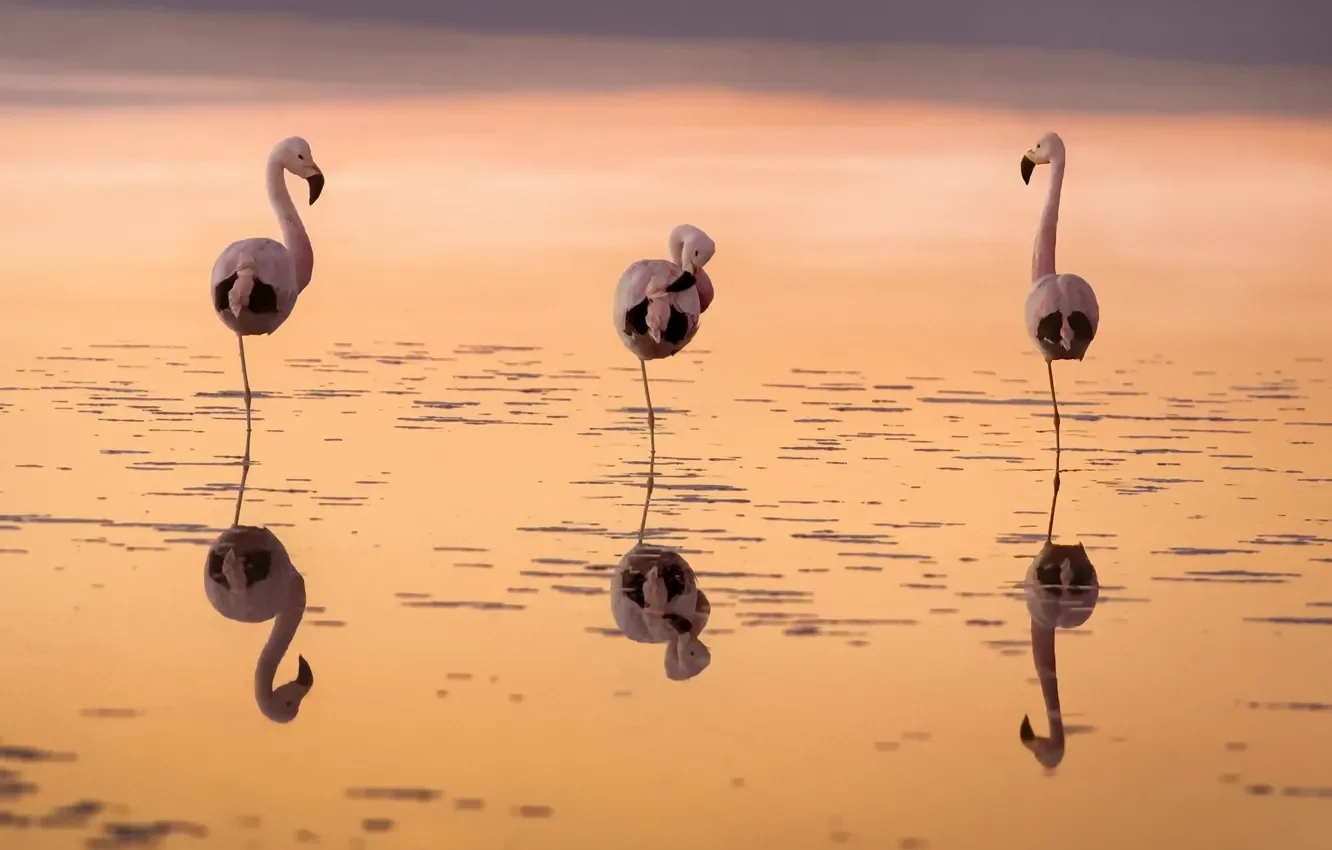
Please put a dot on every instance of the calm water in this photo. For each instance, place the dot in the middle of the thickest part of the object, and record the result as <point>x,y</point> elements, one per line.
<point>855,457</point>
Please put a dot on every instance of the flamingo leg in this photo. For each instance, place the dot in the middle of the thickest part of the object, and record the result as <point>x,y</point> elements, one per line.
<point>245,376</point>
<point>652,449</point>
<point>1049,368</point>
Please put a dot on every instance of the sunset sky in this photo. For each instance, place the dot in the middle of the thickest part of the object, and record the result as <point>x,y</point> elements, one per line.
<point>1225,31</point>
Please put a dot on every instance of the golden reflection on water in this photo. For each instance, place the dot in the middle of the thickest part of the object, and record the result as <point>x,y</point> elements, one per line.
<point>858,434</point>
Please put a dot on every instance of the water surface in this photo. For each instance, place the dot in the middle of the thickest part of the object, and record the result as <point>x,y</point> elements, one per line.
<point>855,456</point>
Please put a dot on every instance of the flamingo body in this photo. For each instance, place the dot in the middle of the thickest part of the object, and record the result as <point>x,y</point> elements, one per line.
<point>658,307</point>
<point>1062,316</point>
<point>271,299</point>
<point>255,282</point>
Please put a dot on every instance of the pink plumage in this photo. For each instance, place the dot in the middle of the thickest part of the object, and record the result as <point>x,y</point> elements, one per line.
<point>1062,314</point>
<point>659,303</point>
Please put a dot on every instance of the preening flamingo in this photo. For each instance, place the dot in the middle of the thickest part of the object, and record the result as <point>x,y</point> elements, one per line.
<point>1061,311</point>
<point>658,305</point>
<point>255,282</point>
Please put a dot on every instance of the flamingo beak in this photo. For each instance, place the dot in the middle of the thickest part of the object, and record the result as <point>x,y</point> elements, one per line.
<point>1028,166</point>
<point>304,675</point>
<point>316,182</point>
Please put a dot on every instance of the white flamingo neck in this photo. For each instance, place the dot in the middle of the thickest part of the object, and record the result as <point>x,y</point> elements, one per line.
<point>1043,254</point>
<point>293,229</point>
<point>279,639</point>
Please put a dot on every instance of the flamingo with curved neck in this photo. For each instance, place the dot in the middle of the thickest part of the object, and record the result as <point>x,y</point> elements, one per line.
<point>294,236</point>
<point>255,282</point>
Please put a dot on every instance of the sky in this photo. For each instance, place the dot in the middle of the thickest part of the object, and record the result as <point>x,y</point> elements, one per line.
<point>1221,31</point>
<point>112,54</point>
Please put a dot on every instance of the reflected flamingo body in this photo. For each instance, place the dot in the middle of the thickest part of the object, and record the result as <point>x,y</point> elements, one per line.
<point>249,578</point>
<point>1061,590</point>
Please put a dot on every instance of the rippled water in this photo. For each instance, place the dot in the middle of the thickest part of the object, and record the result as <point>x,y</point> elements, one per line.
<point>456,489</point>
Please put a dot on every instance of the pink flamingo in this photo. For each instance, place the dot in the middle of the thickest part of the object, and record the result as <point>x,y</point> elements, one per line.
<point>1061,312</point>
<point>658,304</point>
<point>255,282</point>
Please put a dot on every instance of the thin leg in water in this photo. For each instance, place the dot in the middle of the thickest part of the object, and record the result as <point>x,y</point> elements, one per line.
<point>245,376</point>
<point>1049,368</point>
<point>652,449</point>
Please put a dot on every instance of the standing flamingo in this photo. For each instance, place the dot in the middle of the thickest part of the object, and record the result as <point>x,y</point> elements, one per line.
<point>255,282</point>
<point>658,305</point>
<point>1061,312</point>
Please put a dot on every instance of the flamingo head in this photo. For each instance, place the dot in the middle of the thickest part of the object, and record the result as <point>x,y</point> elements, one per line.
<point>294,155</point>
<point>1049,148</point>
<point>691,248</point>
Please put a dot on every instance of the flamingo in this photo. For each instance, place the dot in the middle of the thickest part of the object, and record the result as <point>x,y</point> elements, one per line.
<point>1061,590</point>
<point>255,282</point>
<point>1061,310</point>
<point>658,305</point>
<point>249,578</point>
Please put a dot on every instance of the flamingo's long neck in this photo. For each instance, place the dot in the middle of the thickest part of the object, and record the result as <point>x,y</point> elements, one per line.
<point>293,231</point>
<point>1043,255</point>
<point>1043,655</point>
<point>279,639</point>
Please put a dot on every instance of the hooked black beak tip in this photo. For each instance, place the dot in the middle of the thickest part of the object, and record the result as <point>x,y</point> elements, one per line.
<point>304,675</point>
<point>1028,166</point>
<point>316,182</point>
<point>1026,733</point>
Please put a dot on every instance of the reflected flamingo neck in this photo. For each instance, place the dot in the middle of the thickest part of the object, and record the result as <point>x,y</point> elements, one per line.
<point>279,639</point>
